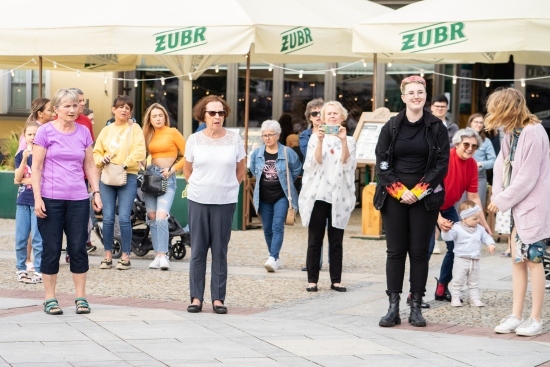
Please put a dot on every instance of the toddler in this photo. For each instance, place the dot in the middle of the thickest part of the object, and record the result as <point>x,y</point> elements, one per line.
<point>25,218</point>
<point>468,236</point>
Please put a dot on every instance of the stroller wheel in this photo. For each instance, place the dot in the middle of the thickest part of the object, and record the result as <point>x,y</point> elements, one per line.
<point>117,248</point>
<point>178,250</point>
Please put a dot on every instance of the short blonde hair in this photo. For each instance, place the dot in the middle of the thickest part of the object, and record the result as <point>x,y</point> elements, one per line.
<point>506,107</point>
<point>336,104</point>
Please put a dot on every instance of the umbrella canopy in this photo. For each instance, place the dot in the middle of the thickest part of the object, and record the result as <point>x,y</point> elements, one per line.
<point>466,30</point>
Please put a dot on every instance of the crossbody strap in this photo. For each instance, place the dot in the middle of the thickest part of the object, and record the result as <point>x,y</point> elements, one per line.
<point>287,179</point>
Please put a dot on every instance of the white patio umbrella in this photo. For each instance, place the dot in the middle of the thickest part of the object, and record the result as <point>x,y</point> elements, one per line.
<point>485,31</point>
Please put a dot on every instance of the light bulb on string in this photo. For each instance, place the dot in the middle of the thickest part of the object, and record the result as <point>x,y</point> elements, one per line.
<point>135,83</point>
<point>364,63</point>
<point>454,79</point>
<point>33,60</point>
<point>54,65</point>
<point>270,67</point>
<point>78,73</point>
<point>487,82</point>
<point>12,73</point>
<point>390,64</point>
<point>522,82</point>
<point>190,75</point>
<point>422,73</point>
<point>301,74</point>
<point>162,81</point>
<point>217,68</point>
<point>333,72</point>
<point>106,80</point>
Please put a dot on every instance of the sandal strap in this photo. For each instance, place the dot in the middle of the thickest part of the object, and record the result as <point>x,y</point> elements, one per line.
<point>51,303</point>
<point>81,302</point>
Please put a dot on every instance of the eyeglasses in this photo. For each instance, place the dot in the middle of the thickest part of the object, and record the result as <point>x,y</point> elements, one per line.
<point>420,94</point>
<point>267,136</point>
<point>439,106</point>
<point>213,113</point>
<point>315,113</point>
<point>468,145</point>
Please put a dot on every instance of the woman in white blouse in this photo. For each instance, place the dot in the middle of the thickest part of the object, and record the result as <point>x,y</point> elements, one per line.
<point>214,168</point>
<point>328,192</point>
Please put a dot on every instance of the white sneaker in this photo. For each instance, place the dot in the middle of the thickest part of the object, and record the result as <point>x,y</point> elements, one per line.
<point>279,263</point>
<point>530,328</point>
<point>548,284</point>
<point>436,250</point>
<point>455,302</point>
<point>155,263</point>
<point>509,324</point>
<point>477,303</point>
<point>270,264</point>
<point>164,263</point>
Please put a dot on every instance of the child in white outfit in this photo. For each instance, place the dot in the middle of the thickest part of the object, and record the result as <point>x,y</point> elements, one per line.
<point>468,236</point>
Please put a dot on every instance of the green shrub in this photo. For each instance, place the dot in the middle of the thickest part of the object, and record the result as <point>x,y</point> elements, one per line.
<point>10,144</point>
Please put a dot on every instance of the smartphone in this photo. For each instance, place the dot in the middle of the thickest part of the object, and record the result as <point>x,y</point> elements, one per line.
<point>330,129</point>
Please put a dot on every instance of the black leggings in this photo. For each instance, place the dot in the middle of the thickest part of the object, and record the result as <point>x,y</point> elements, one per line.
<point>408,230</point>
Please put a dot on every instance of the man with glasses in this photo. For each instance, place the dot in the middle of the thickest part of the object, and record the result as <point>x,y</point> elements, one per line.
<point>461,176</point>
<point>440,106</point>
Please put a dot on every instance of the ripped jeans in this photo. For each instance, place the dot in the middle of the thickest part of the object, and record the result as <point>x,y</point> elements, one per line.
<point>156,204</point>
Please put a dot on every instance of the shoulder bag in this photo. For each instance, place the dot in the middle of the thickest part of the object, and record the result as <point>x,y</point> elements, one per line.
<point>114,174</point>
<point>154,184</point>
<point>291,213</point>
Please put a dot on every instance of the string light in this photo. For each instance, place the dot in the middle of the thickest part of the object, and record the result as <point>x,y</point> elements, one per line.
<point>12,73</point>
<point>333,72</point>
<point>301,74</point>
<point>364,63</point>
<point>422,73</point>
<point>190,75</point>
<point>106,80</point>
<point>454,79</point>
<point>522,80</point>
<point>270,67</point>
<point>390,64</point>
<point>487,82</point>
<point>135,83</point>
<point>217,69</point>
<point>78,73</point>
<point>33,60</point>
<point>162,81</point>
<point>54,65</point>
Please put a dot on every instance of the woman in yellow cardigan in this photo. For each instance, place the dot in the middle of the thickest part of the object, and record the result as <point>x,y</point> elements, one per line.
<point>120,143</point>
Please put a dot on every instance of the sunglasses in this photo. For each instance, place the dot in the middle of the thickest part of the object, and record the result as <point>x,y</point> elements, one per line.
<point>468,145</point>
<point>315,113</point>
<point>213,113</point>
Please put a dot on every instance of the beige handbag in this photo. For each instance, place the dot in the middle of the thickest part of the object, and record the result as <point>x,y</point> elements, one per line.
<point>114,174</point>
<point>291,213</point>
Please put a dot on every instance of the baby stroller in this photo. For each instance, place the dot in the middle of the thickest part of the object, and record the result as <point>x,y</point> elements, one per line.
<point>141,239</point>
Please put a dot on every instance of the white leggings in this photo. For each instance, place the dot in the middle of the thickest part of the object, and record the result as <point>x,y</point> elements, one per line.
<point>465,271</point>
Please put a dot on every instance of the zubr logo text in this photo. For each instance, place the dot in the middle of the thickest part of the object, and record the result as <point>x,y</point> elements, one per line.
<point>179,39</point>
<point>295,39</point>
<point>433,36</point>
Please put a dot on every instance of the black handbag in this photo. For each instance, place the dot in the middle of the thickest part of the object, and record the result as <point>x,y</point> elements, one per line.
<point>154,184</point>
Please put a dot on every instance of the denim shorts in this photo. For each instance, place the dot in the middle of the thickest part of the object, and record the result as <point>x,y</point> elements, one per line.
<point>154,203</point>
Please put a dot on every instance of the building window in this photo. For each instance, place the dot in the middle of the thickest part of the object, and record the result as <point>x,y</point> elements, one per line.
<point>23,90</point>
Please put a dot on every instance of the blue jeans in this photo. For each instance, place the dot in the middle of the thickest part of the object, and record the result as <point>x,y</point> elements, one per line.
<point>71,217</point>
<point>273,221</point>
<point>126,195</point>
<point>446,273</point>
<point>25,224</point>
<point>159,227</point>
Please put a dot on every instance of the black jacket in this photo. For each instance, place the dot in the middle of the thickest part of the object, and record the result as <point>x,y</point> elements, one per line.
<point>436,168</point>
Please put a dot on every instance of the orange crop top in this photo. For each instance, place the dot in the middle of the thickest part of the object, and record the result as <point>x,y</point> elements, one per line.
<point>166,143</point>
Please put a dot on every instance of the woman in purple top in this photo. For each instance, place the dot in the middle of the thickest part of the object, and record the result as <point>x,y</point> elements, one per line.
<point>62,154</point>
<point>524,190</point>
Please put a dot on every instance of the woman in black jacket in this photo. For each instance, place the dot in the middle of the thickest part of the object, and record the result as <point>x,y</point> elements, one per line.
<point>412,156</point>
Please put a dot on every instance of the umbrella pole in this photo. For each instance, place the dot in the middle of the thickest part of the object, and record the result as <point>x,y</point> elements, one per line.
<point>374,74</point>
<point>246,102</point>
<point>40,76</point>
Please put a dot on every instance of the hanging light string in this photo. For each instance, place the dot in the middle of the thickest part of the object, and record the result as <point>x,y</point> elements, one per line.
<point>270,66</point>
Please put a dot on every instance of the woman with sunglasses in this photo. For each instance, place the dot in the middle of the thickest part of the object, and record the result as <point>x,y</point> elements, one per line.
<point>164,144</point>
<point>269,164</point>
<point>412,154</point>
<point>214,168</point>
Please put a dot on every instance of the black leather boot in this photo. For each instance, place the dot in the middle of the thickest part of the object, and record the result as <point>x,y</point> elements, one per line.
<point>416,318</point>
<point>392,317</point>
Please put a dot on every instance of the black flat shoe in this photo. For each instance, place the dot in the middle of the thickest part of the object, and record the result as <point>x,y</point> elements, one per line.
<point>312,289</point>
<point>194,308</point>
<point>222,310</point>
<point>338,288</point>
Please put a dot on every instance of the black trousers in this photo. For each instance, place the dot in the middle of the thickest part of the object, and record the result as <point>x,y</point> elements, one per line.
<point>408,231</point>
<point>322,212</point>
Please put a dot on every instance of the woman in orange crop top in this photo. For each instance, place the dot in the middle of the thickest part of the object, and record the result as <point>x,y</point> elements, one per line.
<point>163,143</point>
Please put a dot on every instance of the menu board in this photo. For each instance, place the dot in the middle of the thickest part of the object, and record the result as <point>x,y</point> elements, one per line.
<point>367,132</point>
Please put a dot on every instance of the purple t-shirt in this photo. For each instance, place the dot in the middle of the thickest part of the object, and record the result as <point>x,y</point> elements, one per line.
<point>62,174</point>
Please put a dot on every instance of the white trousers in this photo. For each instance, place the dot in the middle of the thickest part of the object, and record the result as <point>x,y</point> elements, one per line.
<point>465,271</point>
